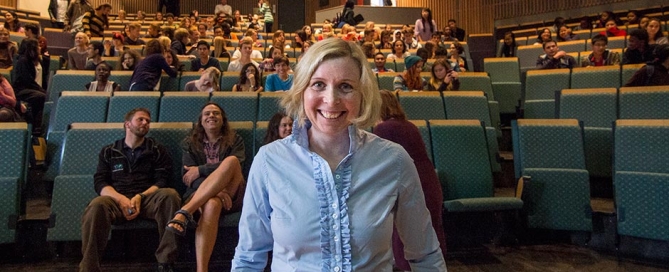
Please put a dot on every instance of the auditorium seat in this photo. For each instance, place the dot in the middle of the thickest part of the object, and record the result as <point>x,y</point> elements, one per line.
<point>13,143</point>
<point>268,104</point>
<point>229,79</point>
<point>122,78</point>
<point>259,135</point>
<point>548,154</point>
<point>648,102</point>
<point>595,77</point>
<point>480,81</point>
<point>245,130</point>
<point>68,80</point>
<point>422,105</point>
<point>171,135</point>
<point>628,71</point>
<point>188,77</point>
<point>238,106</point>
<point>540,88</point>
<point>505,76</point>
<point>122,102</point>
<point>527,55</point>
<point>386,81</point>
<point>181,106</point>
<point>425,135</point>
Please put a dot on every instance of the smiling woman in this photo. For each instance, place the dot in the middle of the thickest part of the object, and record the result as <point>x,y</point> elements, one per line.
<point>342,188</point>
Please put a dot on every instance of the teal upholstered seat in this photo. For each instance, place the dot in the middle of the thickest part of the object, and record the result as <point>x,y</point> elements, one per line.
<point>595,77</point>
<point>422,105</point>
<point>268,104</point>
<point>122,102</point>
<point>506,85</point>
<point>540,88</point>
<point>649,102</point>
<point>238,106</point>
<point>13,141</point>
<point>181,106</point>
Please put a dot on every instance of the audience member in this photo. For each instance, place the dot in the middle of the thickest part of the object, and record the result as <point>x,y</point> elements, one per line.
<point>76,56</point>
<point>237,20</point>
<point>544,36</point>
<point>249,80</point>
<point>266,9</point>
<point>208,81</point>
<point>304,49</point>
<point>380,64</point>
<point>409,40</point>
<point>102,82</point>
<point>140,16</point>
<point>281,81</point>
<point>443,77</point>
<point>554,57</point>
<point>170,21</point>
<point>245,55</point>
<point>202,31</point>
<point>603,17</point>
<point>169,33</point>
<point>397,35</point>
<point>654,73</point>
<point>425,26</point>
<point>424,55</point>
<point>385,40</point>
<point>333,101</point>
<point>633,18</point>
<point>612,29</point>
<point>94,21</point>
<point>410,80</point>
<point>565,34</point>
<point>280,126</point>
<point>121,15</point>
<point>600,55</point>
<point>267,65</point>
<point>457,62</point>
<point>204,59</point>
<point>147,73</point>
<point>95,50</point>
<point>447,35</point>
<point>643,22</point>
<point>134,30</point>
<point>75,10</point>
<point>327,32</point>
<point>31,30</point>
<point>27,82</point>
<point>456,32</point>
<point>219,48</point>
<point>557,23</point>
<point>368,49</point>
<point>223,7</point>
<point>431,48</point>
<point>128,60</point>
<point>399,51</point>
<point>509,47</point>
<point>638,50</point>
<point>114,47</point>
<point>347,15</point>
<point>132,180</point>
<point>159,17</point>
<point>255,54</point>
<point>181,38</point>
<point>11,109</point>
<point>8,49</point>
<point>395,127</point>
<point>193,39</point>
<point>655,35</point>
<point>173,61</point>
<point>308,31</point>
<point>12,22</point>
<point>153,31</point>
<point>584,24</point>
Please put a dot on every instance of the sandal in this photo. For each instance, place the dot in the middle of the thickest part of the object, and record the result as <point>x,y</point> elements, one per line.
<point>182,224</point>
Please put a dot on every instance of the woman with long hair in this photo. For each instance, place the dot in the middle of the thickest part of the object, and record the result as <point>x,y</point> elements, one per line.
<point>249,80</point>
<point>128,60</point>
<point>146,75</point>
<point>565,34</point>
<point>213,155</point>
<point>279,127</point>
<point>219,48</point>
<point>457,62</point>
<point>655,35</point>
<point>410,80</point>
<point>544,36</point>
<point>425,26</point>
<point>12,22</point>
<point>399,51</point>
<point>27,82</point>
<point>8,49</point>
<point>443,77</point>
<point>266,9</point>
<point>509,46</point>
<point>208,81</point>
<point>10,108</point>
<point>395,127</point>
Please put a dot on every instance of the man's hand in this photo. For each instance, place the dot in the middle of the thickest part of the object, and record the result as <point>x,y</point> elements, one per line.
<point>128,207</point>
<point>192,173</point>
<point>559,54</point>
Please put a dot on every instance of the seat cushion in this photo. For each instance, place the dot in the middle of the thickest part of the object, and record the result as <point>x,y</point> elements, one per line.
<point>483,204</point>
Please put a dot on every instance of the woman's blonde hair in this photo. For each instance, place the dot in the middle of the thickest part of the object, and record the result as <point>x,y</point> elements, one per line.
<point>165,42</point>
<point>370,103</point>
<point>219,46</point>
<point>211,74</point>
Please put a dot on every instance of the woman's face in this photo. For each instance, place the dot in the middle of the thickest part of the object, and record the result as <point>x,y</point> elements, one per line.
<point>564,31</point>
<point>643,23</point>
<point>610,25</point>
<point>237,14</point>
<point>424,14</point>
<point>398,46</point>
<point>118,44</point>
<point>439,71</point>
<point>653,28</point>
<point>604,16</point>
<point>9,17</point>
<point>129,60</point>
<point>307,29</point>
<point>4,35</point>
<point>546,35</point>
<point>102,73</point>
<point>169,59</point>
<point>508,39</point>
<point>251,72</point>
<point>212,118</point>
<point>398,35</point>
<point>276,53</point>
<point>332,99</point>
<point>631,17</point>
<point>453,50</point>
<point>285,127</point>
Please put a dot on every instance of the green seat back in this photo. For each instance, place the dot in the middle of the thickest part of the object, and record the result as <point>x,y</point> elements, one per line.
<point>181,106</point>
<point>238,106</point>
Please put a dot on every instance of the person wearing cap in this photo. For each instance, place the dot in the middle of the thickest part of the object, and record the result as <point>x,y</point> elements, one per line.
<point>115,46</point>
<point>410,80</point>
<point>94,21</point>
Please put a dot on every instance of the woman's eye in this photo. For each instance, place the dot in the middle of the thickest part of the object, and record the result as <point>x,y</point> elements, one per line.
<point>318,86</point>
<point>345,87</point>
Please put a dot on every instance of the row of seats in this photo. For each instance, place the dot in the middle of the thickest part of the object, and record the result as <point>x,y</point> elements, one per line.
<point>13,161</point>
<point>528,54</point>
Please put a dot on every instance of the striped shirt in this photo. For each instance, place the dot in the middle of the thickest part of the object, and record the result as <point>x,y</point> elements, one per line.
<point>94,26</point>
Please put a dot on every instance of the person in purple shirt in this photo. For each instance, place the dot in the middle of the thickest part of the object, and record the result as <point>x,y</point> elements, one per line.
<point>147,73</point>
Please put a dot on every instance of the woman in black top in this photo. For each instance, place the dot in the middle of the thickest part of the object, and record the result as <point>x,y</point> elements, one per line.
<point>147,73</point>
<point>25,84</point>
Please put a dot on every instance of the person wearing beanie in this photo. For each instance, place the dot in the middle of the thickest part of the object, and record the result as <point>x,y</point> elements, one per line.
<point>410,80</point>
<point>654,73</point>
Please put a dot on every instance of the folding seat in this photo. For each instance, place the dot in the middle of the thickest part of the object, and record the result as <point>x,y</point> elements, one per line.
<point>181,106</point>
<point>425,135</point>
<point>238,106</point>
<point>122,102</point>
<point>461,162</point>
<point>188,77</point>
<point>505,76</point>
<point>480,81</point>
<point>614,43</point>
<point>185,61</point>
<point>648,102</point>
<point>473,105</point>
<point>548,154</point>
<point>628,71</point>
<point>398,65</point>
<point>13,143</point>
<point>68,80</point>
<point>386,81</point>
<point>540,88</point>
<point>229,79</point>
<point>641,178</point>
<point>224,63</point>
<point>595,77</point>
<point>422,105</point>
<point>268,104</point>
<point>245,130</point>
<point>122,78</point>
<point>139,49</point>
<point>73,187</point>
<point>597,110</point>
<point>259,135</point>
<point>527,56</point>
<point>171,135</point>
<point>112,61</point>
<point>572,46</point>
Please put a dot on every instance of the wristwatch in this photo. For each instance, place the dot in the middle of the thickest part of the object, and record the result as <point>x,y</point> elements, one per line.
<point>141,195</point>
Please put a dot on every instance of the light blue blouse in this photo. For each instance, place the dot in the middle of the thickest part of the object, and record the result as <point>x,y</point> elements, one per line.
<point>315,219</point>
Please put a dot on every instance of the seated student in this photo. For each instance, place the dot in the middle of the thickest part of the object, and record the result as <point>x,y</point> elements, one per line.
<point>655,33</point>
<point>133,33</point>
<point>202,31</point>
<point>146,75</point>
<point>281,81</point>
<point>267,65</point>
<point>132,181</point>
<point>159,17</point>
<point>249,80</point>
<point>95,50</point>
<point>655,73</point>
<point>554,57</point>
<point>255,54</point>
<point>181,39</point>
<point>102,82</point>
<point>399,51</point>
<point>612,29</point>
<point>173,61</point>
<point>385,41</point>
<point>245,56</point>
<point>11,110</point>
<point>380,64</point>
<point>204,59</point>
<point>565,34</point>
<point>443,77</point>
<point>544,36</point>
<point>76,56</point>
<point>153,31</point>
<point>457,62</point>
<point>600,56</point>
<point>409,40</point>
<point>128,60</point>
<point>114,47</point>
<point>170,21</point>
<point>208,81</point>
<point>638,50</point>
<point>8,49</point>
<point>369,50</point>
<point>410,80</point>
<point>219,48</point>
<point>28,82</point>
<point>509,47</point>
<point>213,155</point>
<point>279,127</point>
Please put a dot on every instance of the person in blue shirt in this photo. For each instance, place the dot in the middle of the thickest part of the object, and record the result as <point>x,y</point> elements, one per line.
<point>326,197</point>
<point>281,81</point>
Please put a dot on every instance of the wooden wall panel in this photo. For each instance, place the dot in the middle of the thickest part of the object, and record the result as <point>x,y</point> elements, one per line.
<point>8,3</point>
<point>311,6</point>
<point>203,6</point>
<point>461,10</point>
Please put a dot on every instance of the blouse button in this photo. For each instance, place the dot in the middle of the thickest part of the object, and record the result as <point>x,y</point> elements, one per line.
<point>336,238</point>
<point>335,227</point>
<point>336,268</point>
<point>334,205</point>
<point>337,176</point>
<point>334,216</point>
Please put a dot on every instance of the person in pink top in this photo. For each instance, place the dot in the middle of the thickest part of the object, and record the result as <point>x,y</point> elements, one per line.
<point>10,111</point>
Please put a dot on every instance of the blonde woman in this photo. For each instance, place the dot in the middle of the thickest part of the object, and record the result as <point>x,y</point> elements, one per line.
<point>208,82</point>
<point>219,48</point>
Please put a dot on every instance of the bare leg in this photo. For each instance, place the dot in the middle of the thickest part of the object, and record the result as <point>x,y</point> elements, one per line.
<point>207,230</point>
